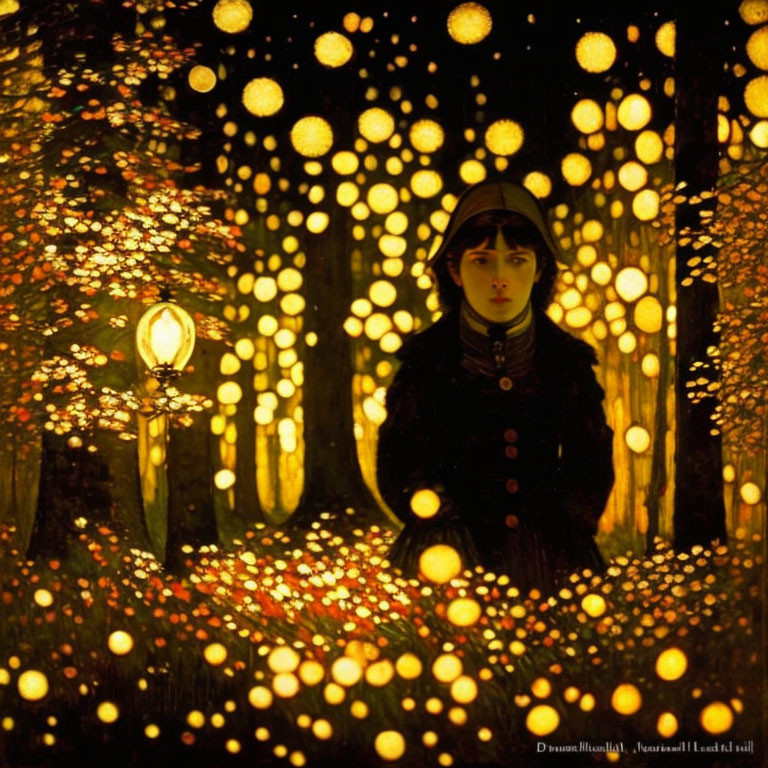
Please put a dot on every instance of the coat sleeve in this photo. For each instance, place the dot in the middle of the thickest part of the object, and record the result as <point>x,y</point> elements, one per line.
<point>586,464</point>
<point>406,458</point>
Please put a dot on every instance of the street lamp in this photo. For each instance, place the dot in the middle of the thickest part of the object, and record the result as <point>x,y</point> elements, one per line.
<point>165,338</point>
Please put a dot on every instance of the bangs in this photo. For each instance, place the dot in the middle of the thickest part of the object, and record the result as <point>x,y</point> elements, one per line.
<point>517,231</point>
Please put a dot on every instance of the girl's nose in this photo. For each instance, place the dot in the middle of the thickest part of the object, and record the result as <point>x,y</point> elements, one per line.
<point>499,283</point>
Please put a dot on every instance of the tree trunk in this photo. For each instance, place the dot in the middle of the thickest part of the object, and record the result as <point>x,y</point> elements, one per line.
<point>699,515</point>
<point>333,480</point>
<point>247,503</point>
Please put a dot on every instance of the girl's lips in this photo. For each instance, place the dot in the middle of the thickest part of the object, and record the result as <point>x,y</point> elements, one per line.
<point>500,300</point>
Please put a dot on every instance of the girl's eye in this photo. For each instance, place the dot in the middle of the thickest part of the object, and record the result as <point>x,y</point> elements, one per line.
<point>481,261</point>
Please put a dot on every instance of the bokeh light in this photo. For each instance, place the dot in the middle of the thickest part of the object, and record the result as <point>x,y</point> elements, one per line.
<point>595,52</point>
<point>201,78</point>
<point>426,136</point>
<point>631,283</point>
<point>542,720</point>
<point>232,16</point>
<point>504,137</point>
<point>32,685</point>
<point>671,664</point>
<point>440,563</point>
<point>576,169</point>
<point>312,136</point>
<point>263,97</point>
<point>463,612</point>
<point>634,112</point>
<point>469,23</point>
<point>120,643</point>
<point>389,745</point>
<point>716,718</point>
<point>756,96</point>
<point>665,38</point>
<point>425,503</point>
<point>587,116</point>
<point>332,49</point>
<point>376,125</point>
<point>626,699</point>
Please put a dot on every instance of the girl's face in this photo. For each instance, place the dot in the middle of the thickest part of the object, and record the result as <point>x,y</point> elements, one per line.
<point>496,278</point>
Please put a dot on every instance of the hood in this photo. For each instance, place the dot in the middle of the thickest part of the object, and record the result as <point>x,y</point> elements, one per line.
<point>490,196</point>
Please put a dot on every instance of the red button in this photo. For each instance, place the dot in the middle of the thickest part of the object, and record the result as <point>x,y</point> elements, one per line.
<point>512,485</point>
<point>511,452</point>
<point>510,435</point>
<point>511,521</point>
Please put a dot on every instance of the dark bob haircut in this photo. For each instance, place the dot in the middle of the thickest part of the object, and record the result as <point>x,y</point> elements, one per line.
<point>518,231</point>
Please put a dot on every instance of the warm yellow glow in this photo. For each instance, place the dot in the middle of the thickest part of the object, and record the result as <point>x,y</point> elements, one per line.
<point>380,673</point>
<point>472,171</point>
<point>634,112</point>
<point>426,184</point>
<point>346,671</point>
<point>376,125</point>
<point>229,393</point>
<point>32,685</point>
<point>645,205</point>
<point>396,223</point>
<point>632,176</point>
<point>285,685</point>
<point>666,725</point>
<point>592,231</point>
<point>649,147</point>
<point>538,184</point>
<point>750,493</point>
<point>665,38</point>
<point>576,169</point>
<point>107,712</point>
<point>593,605</point>
<point>374,411</point>
<point>382,293</point>
<point>392,246</point>
<point>649,314</point>
<point>716,718</point>
<point>542,720</point>
<point>753,11</point>
<point>464,612</point>
<point>165,335</point>
<point>332,49</point>
<point>389,745</point>
<point>152,731</point>
<point>224,479</point>
<point>631,283</point>
<point>317,222</point>
<point>345,163</point>
<point>311,672</point>
<point>469,23</point>
<point>376,325</point>
<point>232,16</point>
<point>587,116</point>
<point>580,317</point>
<point>587,703</point>
<point>382,198</point>
<point>626,699</point>
<point>504,137</point>
<point>541,688</point>
<point>426,136</point>
<point>440,563</point>
<point>120,643</point>
<point>756,96</point>
<point>650,365</point>
<point>759,134</point>
<point>595,52</point>
<point>601,273</point>
<point>464,689</point>
<point>347,193</point>
<point>408,666</point>
<point>201,79</point>
<point>671,664</point>
<point>283,659</point>
<point>215,654</point>
<point>447,667</point>
<point>260,697</point>
<point>312,136</point>
<point>627,341</point>
<point>757,48</point>
<point>43,598</point>
<point>263,97</point>
<point>425,503</point>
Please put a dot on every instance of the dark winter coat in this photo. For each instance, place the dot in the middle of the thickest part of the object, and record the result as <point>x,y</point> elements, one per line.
<point>523,472</point>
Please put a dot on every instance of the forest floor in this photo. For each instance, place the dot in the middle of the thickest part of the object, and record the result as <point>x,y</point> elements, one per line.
<point>312,652</point>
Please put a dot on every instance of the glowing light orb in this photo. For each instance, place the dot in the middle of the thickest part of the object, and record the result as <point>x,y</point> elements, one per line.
<point>665,38</point>
<point>754,11</point>
<point>334,693</point>
<point>389,745</point>
<point>667,725</point>
<point>671,664</point>
<point>120,643</point>
<point>632,176</point>
<point>409,666</point>
<point>601,273</point>
<point>283,659</point>
<point>504,137</point>
<point>426,136</point>
<point>108,712</point>
<point>538,184</point>
<point>376,125</point>
<point>587,116</point>
<point>542,720</point>
<point>263,97</point>
<point>312,136</point>
<point>447,667</point>
<point>317,222</point>
<point>382,198</point>
<point>32,685</point>
<point>649,147</point>
<point>380,673</point>
<point>232,16</point>
<point>215,654</point>
<point>716,717</point>
<point>229,393</point>
<point>645,204</point>
<point>579,317</point>
<point>650,365</point>
<point>626,699</point>
<point>311,672</point>
<point>649,314</point>
<point>440,563</point>
<point>472,171</point>
<point>464,689</point>
<point>201,79</point>
<point>332,49</point>
<point>345,163</point>
<point>750,493</point>
<point>425,503</point>
<point>464,612</point>
<point>634,112</point>
<point>756,96</point>
<point>469,23</point>
<point>541,688</point>
<point>576,169</point>
<point>595,52</point>
<point>426,184</point>
<point>285,685</point>
<point>43,598</point>
<point>631,283</point>
<point>260,697</point>
<point>346,671</point>
<point>593,605</point>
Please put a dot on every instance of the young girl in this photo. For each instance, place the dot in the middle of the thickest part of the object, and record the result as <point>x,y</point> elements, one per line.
<point>496,409</point>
